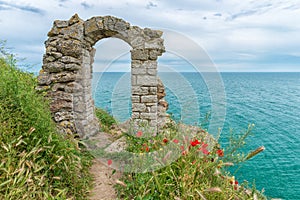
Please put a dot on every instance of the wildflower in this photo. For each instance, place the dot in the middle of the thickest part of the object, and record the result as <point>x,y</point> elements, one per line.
<point>236,187</point>
<point>147,149</point>
<point>139,134</point>
<point>184,153</point>
<point>231,180</point>
<point>175,141</point>
<point>109,162</point>
<point>220,152</point>
<point>195,143</point>
<point>182,148</point>
<point>165,140</point>
<point>203,148</point>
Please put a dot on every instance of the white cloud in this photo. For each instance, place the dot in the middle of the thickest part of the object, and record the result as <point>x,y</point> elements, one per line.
<point>233,32</point>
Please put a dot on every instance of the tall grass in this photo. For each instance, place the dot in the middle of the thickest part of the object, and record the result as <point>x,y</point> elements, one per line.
<point>35,161</point>
<point>200,173</point>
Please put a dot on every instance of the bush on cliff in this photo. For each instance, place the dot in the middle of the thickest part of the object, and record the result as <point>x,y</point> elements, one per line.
<point>35,161</point>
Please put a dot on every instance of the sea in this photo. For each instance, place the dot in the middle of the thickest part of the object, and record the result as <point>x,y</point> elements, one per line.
<point>231,101</point>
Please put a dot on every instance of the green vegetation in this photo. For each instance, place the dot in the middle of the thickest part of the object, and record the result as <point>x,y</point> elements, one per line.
<point>200,171</point>
<point>35,161</point>
<point>106,120</point>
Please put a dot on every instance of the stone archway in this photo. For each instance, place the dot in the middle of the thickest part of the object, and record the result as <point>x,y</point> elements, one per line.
<point>67,72</point>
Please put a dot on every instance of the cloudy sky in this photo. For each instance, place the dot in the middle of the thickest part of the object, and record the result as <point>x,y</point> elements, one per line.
<point>237,35</point>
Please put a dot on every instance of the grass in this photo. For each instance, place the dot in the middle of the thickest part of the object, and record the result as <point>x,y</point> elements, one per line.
<point>35,161</point>
<point>105,119</point>
<point>199,172</point>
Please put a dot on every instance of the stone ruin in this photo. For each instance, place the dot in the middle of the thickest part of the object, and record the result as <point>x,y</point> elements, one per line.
<point>66,75</point>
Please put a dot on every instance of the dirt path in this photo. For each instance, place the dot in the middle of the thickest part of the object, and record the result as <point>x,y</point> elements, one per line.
<point>103,182</point>
<point>103,179</point>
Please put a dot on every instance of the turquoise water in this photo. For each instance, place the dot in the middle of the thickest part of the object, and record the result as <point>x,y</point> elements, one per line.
<point>269,100</point>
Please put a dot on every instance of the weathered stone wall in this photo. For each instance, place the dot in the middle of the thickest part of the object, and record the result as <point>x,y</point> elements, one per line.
<point>67,71</point>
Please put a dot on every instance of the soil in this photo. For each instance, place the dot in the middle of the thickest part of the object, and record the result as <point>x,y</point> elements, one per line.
<point>103,181</point>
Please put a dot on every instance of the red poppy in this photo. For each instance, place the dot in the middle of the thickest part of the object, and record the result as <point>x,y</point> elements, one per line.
<point>236,182</point>
<point>165,140</point>
<point>147,149</point>
<point>175,141</point>
<point>139,134</point>
<point>195,143</point>
<point>203,149</point>
<point>236,187</point>
<point>220,152</point>
<point>109,162</point>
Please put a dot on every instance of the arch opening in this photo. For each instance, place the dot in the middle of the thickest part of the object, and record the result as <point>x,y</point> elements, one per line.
<point>111,78</point>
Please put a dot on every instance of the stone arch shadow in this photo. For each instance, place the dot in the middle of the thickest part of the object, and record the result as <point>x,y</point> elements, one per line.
<point>66,73</point>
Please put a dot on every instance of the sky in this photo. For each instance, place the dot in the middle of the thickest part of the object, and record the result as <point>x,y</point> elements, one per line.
<point>236,35</point>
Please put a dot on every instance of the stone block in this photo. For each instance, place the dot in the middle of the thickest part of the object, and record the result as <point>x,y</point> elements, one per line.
<point>72,67</point>
<point>137,42</point>
<point>63,77</point>
<point>70,48</point>
<point>60,105</point>
<point>150,116</point>
<point>69,59</point>
<point>74,32</point>
<point>58,87</point>
<point>135,99</point>
<point>53,66</point>
<point>138,107</point>
<point>156,43</point>
<point>153,90</point>
<point>139,54</point>
<point>61,24</point>
<point>79,107</point>
<point>62,116</point>
<point>44,78</point>
<point>61,95</point>
<point>149,64</point>
<point>73,87</point>
<point>136,63</point>
<point>152,33</point>
<point>137,90</point>
<point>138,71</point>
<point>152,71</point>
<point>149,99</point>
<point>146,80</point>
<point>153,109</point>
<point>153,54</point>
<point>135,115</point>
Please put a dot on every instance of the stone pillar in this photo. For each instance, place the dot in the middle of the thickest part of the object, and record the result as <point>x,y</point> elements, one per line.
<point>144,91</point>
